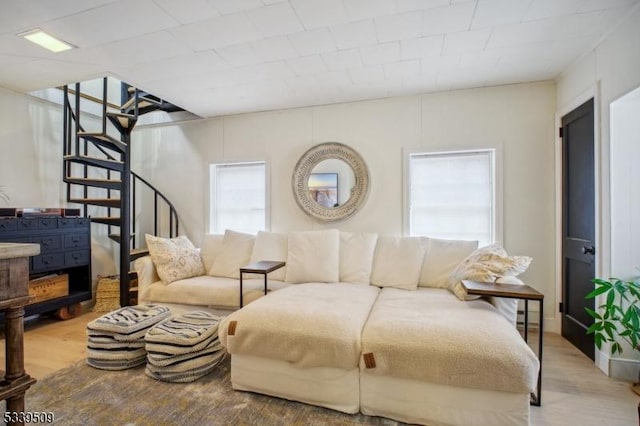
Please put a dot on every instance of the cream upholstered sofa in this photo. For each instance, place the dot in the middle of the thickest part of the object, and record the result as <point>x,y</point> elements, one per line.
<point>365,323</point>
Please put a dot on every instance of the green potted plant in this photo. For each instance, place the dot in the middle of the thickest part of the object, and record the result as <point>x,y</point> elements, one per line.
<point>618,319</point>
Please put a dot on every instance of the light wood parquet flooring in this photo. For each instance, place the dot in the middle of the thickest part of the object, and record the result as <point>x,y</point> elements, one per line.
<point>575,392</point>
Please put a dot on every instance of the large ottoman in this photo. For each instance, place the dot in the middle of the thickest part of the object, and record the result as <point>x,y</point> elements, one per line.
<point>115,341</point>
<point>183,348</point>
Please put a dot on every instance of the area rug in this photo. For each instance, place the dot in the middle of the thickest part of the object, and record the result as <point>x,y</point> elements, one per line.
<point>82,395</point>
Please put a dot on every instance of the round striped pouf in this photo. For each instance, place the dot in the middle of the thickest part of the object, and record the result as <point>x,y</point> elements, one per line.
<point>183,348</point>
<point>115,341</point>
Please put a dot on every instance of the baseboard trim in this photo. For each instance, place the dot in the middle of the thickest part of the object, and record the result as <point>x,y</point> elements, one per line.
<point>624,369</point>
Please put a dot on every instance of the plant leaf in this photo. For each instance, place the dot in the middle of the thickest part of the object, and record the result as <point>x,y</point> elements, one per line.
<point>598,340</point>
<point>596,326</point>
<point>598,291</point>
<point>609,328</point>
<point>611,297</point>
<point>593,313</point>
<point>616,348</point>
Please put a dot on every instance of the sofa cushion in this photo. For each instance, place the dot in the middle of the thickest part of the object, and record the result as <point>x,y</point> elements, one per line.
<point>397,262</point>
<point>175,258</point>
<point>356,256</point>
<point>307,325</point>
<point>486,264</point>
<point>210,248</point>
<point>271,246</point>
<point>235,253</point>
<point>440,260</point>
<point>313,256</point>
<point>429,335</point>
<point>213,292</point>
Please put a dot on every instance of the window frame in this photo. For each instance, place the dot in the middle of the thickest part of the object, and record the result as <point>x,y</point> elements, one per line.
<point>497,198</point>
<point>211,205</point>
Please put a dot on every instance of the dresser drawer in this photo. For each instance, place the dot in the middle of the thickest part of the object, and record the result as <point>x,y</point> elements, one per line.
<point>76,240</point>
<point>48,242</point>
<point>82,222</point>
<point>8,225</point>
<point>47,223</point>
<point>66,222</point>
<point>48,262</point>
<point>27,223</point>
<point>76,258</point>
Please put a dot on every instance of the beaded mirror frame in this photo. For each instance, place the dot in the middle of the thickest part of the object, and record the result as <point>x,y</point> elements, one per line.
<point>302,171</point>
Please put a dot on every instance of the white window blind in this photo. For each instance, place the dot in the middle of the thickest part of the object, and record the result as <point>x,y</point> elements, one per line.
<point>238,197</point>
<point>452,195</point>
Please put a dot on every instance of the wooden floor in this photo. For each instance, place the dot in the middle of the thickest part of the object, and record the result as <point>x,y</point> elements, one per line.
<point>574,391</point>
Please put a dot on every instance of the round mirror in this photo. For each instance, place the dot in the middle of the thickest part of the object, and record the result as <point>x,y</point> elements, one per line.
<point>330,181</point>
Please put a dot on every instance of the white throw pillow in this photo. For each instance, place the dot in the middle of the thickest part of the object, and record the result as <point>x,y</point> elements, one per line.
<point>271,246</point>
<point>397,262</point>
<point>486,265</point>
<point>313,256</point>
<point>174,259</point>
<point>441,259</point>
<point>211,245</point>
<point>356,256</point>
<point>235,253</point>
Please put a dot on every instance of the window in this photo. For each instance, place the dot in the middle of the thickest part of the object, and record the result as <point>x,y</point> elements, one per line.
<point>451,195</point>
<point>238,197</point>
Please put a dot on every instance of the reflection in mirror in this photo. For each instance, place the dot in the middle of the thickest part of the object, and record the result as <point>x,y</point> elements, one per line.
<point>331,182</point>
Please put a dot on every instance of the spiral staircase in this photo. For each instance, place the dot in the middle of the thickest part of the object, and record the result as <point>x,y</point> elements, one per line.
<point>97,171</point>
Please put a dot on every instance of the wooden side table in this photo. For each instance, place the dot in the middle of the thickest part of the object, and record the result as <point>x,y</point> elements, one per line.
<point>515,291</point>
<point>262,267</point>
<point>14,295</point>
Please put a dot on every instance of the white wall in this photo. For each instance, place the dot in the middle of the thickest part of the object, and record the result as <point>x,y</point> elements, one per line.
<point>611,70</point>
<point>517,120</point>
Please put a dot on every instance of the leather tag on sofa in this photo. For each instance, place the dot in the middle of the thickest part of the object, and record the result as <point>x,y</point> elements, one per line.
<point>369,360</point>
<point>231,331</point>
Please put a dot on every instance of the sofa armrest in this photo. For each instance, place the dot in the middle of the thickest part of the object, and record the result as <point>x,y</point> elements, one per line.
<point>147,275</point>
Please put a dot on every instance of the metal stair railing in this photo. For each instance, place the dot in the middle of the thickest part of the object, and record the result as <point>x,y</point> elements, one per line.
<point>129,181</point>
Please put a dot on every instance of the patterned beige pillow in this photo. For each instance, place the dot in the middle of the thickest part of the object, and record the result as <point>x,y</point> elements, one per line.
<point>486,265</point>
<point>174,259</point>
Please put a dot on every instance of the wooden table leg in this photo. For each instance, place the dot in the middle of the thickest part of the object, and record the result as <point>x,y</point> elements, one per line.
<point>14,348</point>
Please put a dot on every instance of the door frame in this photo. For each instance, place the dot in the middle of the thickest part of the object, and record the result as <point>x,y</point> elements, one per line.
<point>601,210</point>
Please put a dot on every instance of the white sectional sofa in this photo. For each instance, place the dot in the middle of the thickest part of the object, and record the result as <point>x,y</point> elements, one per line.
<point>365,323</point>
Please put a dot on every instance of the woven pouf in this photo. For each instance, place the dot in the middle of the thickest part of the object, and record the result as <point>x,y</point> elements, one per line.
<point>115,341</point>
<point>183,348</point>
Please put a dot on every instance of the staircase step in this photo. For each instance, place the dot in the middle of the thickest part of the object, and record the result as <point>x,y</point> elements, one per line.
<point>116,237</point>
<point>98,183</point>
<point>104,163</point>
<point>123,122</point>
<point>105,202</point>
<point>107,220</point>
<point>137,253</point>
<point>104,140</point>
<point>143,102</point>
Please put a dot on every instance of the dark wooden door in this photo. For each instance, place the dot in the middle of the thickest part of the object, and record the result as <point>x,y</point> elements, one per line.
<point>578,217</point>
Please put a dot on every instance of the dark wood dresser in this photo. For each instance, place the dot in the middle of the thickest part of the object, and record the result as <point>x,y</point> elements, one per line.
<point>65,248</point>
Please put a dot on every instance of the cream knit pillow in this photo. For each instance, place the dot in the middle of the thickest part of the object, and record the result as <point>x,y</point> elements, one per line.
<point>174,259</point>
<point>486,265</point>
